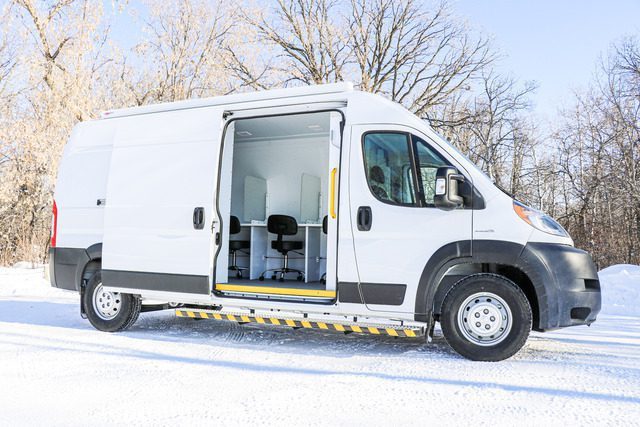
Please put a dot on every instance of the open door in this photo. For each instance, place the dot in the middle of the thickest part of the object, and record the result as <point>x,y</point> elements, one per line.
<point>285,167</point>
<point>160,222</point>
<point>335,147</point>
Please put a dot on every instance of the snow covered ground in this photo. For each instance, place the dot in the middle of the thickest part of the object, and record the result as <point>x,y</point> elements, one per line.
<point>55,369</point>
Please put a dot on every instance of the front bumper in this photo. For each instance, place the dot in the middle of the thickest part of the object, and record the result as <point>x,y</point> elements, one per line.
<point>566,282</point>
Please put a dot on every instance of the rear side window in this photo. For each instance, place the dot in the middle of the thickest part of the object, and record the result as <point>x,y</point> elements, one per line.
<point>388,166</point>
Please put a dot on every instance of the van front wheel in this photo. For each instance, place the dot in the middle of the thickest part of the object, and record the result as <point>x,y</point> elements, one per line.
<point>109,311</point>
<point>486,317</point>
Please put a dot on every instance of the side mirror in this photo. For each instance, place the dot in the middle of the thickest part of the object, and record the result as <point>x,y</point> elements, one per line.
<point>447,196</point>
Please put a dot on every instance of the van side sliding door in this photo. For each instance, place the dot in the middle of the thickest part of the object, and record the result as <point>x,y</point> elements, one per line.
<point>160,221</point>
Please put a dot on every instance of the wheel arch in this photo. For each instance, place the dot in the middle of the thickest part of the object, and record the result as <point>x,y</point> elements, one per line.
<point>456,260</point>
<point>90,265</point>
<point>462,270</point>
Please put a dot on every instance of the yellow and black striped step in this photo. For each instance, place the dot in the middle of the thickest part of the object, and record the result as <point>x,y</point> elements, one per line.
<point>394,331</point>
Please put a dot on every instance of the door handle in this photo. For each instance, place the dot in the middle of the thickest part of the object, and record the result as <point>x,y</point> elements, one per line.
<point>198,218</point>
<point>365,218</point>
<point>332,194</point>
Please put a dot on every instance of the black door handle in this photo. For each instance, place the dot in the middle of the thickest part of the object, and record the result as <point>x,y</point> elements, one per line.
<point>365,218</point>
<point>198,218</point>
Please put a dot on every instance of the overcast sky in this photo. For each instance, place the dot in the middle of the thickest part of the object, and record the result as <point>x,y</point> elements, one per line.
<point>556,43</point>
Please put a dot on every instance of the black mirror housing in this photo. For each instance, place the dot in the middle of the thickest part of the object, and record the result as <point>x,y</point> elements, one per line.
<point>447,196</point>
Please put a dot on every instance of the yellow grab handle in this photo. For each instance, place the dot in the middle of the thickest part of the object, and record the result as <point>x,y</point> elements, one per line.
<point>332,195</point>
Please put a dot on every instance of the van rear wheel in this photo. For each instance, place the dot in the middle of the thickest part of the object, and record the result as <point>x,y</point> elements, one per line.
<point>486,317</point>
<point>109,311</point>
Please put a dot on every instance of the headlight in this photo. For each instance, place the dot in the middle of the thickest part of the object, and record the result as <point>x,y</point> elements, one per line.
<point>539,220</point>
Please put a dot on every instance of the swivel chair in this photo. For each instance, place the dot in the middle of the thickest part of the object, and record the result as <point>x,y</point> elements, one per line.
<point>284,225</point>
<point>236,245</point>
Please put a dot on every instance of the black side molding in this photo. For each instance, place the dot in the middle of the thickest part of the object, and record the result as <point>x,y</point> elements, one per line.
<point>349,292</point>
<point>156,281</point>
<point>373,293</point>
<point>383,293</point>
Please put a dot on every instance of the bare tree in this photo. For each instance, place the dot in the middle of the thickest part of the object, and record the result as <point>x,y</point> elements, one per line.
<point>599,159</point>
<point>622,92</point>
<point>63,76</point>
<point>51,44</point>
<point>183,52</point>
<point>311,37</point>
<point>8,62</point>
<point>495,133</point>
<point>417,55</point>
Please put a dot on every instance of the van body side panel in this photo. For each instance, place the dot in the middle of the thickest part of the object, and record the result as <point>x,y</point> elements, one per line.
<point>82,181</point>
<point>163,171</point>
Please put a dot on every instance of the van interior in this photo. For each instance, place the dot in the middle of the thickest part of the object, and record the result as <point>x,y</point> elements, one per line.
<point>275,205</point>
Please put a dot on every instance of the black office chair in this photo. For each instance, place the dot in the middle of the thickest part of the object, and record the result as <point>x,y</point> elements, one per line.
<point>284,225</point>
<point>236,245</point>
<point>325,224</point>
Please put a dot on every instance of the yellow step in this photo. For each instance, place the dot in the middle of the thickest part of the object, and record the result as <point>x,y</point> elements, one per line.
<point>273,290</point>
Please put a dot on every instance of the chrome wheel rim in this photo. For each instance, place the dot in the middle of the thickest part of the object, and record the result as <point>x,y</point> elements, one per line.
<point>484,319</point>
<point>107,304</point>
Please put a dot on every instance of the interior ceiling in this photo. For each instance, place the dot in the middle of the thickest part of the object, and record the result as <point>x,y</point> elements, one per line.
<point>280,127</point>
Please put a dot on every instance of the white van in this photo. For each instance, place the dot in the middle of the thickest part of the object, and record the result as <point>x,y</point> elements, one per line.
<point>316,207</point>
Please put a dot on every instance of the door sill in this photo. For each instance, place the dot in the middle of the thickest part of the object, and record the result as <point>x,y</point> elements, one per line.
<point>297,292</point>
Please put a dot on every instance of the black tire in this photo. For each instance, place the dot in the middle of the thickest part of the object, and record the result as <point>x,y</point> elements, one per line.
<point>505,342</point>
<point>125,316</point>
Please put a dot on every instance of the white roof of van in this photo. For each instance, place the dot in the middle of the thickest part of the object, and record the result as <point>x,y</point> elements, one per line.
<point>325,89</point>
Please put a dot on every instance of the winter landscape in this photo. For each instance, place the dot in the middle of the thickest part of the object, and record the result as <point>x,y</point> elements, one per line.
<point>543,97</point>
<point>56,369</point>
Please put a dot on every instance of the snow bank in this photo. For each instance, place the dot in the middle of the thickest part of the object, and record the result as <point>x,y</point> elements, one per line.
<point>27,265</point>
<point>620,286</point>
<point>25,282</point>
<point>167,370</point>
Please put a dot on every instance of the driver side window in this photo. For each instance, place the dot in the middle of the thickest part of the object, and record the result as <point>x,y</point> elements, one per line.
<point>387,160</point>
<point>396,163</point>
